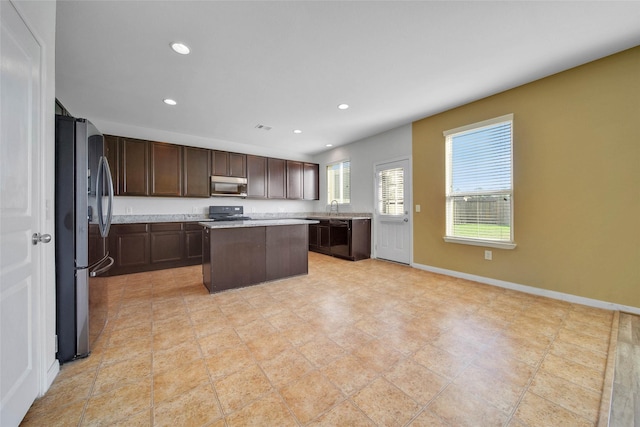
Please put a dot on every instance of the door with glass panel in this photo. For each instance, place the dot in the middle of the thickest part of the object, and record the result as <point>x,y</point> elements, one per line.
<point>392,217</point>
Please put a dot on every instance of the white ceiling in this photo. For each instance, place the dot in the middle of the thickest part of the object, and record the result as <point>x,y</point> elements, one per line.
<point>289,64</point>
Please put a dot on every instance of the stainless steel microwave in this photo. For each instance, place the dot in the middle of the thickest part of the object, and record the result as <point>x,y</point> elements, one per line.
<point>228,186</point>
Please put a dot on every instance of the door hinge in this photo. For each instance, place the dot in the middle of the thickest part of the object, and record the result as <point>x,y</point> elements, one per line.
<point>56,343</point>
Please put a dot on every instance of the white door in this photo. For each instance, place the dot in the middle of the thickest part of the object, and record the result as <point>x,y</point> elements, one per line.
<point>392,215</point>
<point>20,153</point>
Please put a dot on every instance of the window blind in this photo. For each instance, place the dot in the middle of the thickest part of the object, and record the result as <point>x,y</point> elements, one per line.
<point>479,181</point>
<point>391,192</point>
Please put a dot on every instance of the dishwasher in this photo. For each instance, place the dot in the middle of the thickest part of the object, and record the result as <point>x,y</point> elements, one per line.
<point>340,236</point>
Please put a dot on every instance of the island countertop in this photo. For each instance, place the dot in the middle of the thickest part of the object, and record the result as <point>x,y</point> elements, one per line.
<point>256,223</point>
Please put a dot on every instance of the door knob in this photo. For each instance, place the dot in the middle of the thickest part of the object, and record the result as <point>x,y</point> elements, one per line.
<point>406,220</point>
<point>40,238</point>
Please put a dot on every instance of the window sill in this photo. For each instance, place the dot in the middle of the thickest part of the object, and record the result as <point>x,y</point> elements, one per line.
<point>484,243</point>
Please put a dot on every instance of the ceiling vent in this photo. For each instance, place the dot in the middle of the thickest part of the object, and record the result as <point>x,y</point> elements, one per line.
<point>263,127</point>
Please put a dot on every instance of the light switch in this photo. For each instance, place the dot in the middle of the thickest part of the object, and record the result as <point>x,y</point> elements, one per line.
<point>417,208</point>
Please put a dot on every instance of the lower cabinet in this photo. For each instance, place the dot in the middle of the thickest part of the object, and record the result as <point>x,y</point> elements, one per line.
<point>242,256</point>
<point>343,238</point>
<point>319,237</point>
<point>156,246</point>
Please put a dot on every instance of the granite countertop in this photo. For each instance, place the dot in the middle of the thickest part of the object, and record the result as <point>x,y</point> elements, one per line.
<point>136,219</point>
<point>256,223</point>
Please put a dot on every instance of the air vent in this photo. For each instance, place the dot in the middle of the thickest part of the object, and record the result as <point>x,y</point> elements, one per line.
<point>263,127</point>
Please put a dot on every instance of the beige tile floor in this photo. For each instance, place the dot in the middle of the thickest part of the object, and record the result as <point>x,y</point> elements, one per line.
<point>364,343</point>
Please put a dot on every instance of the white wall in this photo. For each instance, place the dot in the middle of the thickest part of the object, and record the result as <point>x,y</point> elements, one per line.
<point>40,17</point>
<point>363,154</point>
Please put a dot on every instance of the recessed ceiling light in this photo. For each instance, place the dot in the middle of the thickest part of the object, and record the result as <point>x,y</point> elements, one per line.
<point>343,106</point>
<point>169,101</point>
<point>180,48</point>
<point>329,145</point>
<point>297,131</point>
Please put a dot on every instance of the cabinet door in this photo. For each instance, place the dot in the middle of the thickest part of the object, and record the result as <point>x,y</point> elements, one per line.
<point>166,242</point>
<point>238,165</point>
<point>112,153</point>
<point>193,241</point>
<point>219,163</point>
<point>196,172</point>
<point>313,236</point>
<point>311,181</point>
<point>133,167</point>
<point>294,179</point>
<point>166,169</point>
<point>360,239</point>
<point>276,185</point>
<point>256,176</point>
<point>129,246</point>
<point>287,253</point>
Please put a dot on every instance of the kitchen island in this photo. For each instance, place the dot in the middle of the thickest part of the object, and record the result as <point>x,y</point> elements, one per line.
<point>242,253</point>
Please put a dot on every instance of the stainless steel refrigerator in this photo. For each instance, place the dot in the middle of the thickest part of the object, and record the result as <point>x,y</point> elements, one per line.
<point>83,187</point>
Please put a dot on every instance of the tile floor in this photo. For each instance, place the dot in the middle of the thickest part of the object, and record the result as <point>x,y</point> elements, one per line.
<point>364,343</point>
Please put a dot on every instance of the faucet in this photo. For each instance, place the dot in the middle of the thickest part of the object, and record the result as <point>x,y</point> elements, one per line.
<point>337,207</point>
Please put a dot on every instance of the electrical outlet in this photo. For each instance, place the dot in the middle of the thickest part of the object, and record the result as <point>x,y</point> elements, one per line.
<point>194,209</point>
<point>488,255</point>
<point>128,210</point>
<point>417,208</point>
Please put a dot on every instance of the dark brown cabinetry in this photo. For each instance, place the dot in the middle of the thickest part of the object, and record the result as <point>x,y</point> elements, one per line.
<point>243,256</point>
<point>276,182</point>
<point>129,247</point>
<point>149,168</point>
<point>224,163</point>
<point>133,167</point>
<point>166,242</point>
<point>193,242</point>
<point>343,238</point>
<point>112,154</point>
<point>166,169</point>
<point>295,179</point>
<point>156,246</point>
<point>196,172</point>
<point>311,181</point>
<point>319,237</point>
<point>256,177</point>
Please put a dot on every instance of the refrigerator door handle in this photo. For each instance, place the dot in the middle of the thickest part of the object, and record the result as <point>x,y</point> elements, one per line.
<point>103,168</point>
<point>100,267</point>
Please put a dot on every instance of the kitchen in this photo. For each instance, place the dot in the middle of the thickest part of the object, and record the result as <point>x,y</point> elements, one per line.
<point>367,151</point>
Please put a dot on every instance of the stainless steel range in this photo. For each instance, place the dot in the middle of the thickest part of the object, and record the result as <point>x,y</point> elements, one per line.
<point>227,213</point>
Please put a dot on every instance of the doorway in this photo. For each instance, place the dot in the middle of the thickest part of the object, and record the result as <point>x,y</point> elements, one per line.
<point>392,214</point>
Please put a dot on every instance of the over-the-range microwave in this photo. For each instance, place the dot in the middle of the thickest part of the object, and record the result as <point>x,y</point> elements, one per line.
<point>228,186</point>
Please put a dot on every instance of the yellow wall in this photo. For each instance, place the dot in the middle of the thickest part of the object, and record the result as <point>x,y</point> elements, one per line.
<point>576,166</point>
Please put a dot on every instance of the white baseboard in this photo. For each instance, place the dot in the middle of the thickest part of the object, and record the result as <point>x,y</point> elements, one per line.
<point>532,290</point>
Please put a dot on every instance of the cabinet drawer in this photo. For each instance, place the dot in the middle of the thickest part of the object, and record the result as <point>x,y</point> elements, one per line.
<point>130,228</point>
<point>166,226</point>
<point>192,226</point>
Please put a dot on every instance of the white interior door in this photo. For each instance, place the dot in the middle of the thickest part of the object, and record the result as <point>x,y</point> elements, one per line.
<point>20,119</point>
<point>393,211</point>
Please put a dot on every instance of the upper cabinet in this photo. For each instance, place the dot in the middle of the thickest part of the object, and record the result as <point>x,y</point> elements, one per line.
<point>311,181</point>
<point>224,163</point>
<point>133,168</point>
<point>149,168</point>
<point>256,177</point>
<point>196,172</point>
<point>166,169</point>
<point>276,182</point>
<point>112,154</point>
<point>295,179</point>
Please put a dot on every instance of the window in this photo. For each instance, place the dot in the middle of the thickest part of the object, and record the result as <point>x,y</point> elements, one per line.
<point>339,182</point>
<point>479,183</point>
<point>391,192</point>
